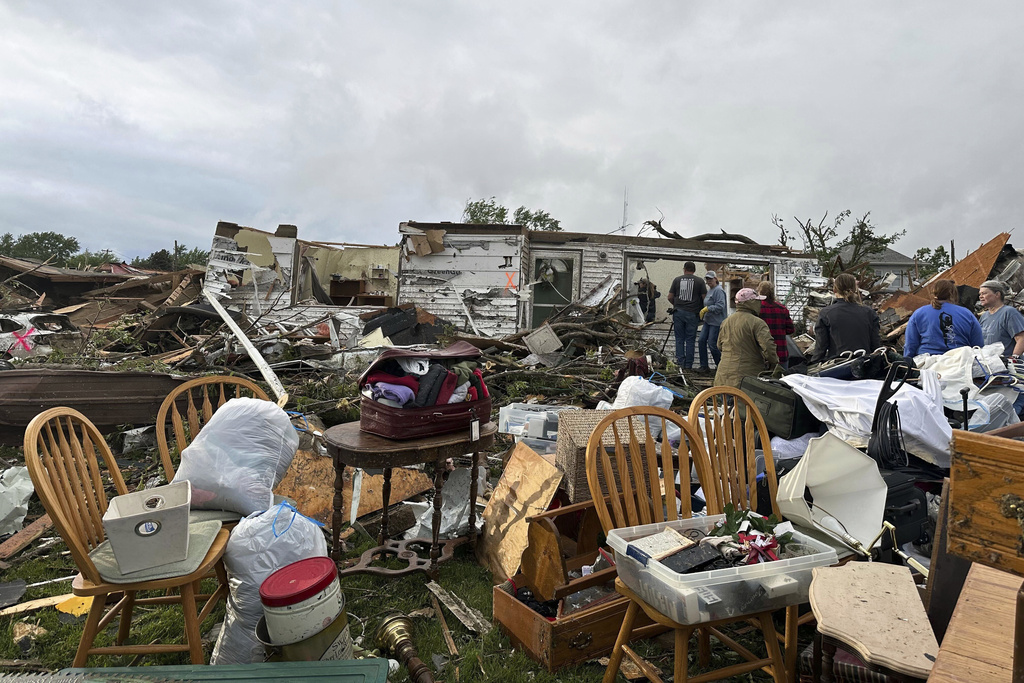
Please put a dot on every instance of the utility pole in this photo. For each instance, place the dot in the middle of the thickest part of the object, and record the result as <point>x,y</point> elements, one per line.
<point>174,257</point>
<point>952,253</point>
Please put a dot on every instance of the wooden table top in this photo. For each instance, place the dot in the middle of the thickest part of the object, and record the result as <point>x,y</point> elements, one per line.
<point>876,609</point>
<point>978,645</point>
<point>362,449</point>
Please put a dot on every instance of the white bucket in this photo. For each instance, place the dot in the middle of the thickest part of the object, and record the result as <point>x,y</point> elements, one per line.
<point>301,600</point>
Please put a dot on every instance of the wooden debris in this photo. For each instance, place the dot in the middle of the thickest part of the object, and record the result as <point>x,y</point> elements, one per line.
<point>33,605</point>
<point>444,627</point>
<point>470,618</point>
<point>23,538</point>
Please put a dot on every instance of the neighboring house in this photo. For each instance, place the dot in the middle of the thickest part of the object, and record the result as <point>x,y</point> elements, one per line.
<point>888,261</point>
<point>496,280</point>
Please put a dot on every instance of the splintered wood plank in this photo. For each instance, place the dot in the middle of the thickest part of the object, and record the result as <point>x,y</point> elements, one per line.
<point>20,540</point>
<point>310,483</point>
<point>470,618</point>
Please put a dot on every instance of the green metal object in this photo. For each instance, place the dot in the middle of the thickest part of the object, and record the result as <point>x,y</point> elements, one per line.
<point>339,671</point>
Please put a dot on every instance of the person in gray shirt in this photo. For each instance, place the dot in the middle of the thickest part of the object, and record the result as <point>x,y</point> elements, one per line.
<point>1000,323</point>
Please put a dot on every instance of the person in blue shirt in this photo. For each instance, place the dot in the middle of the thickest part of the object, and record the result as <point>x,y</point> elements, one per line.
<point>942,326</point>
<point>714,312</point>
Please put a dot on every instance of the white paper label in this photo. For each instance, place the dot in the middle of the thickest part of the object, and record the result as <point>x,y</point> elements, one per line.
<point>474,430</point>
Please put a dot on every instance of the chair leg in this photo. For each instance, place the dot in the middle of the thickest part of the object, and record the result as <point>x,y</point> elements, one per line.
<point>192,635</point>
<point>682,656</point>
<point>790,653</point>
<point>126,617</point>
<point>92,624</point>
<point>704,647</point>
<point>624,632</point>
<point>771,641</point>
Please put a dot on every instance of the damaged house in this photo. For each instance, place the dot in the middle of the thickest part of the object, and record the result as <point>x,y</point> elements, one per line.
<point>292,283</point>
<point>497,280</point>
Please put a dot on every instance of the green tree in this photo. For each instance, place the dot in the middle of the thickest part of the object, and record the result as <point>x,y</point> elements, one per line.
<point>44,246</point>
<point>88,259</point>
<point>930,262</point>
<point>822,240</point>
<point>164,259</point>
<point>490,212</point>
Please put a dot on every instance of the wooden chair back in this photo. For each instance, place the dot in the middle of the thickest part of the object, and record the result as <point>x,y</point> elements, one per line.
<point>66,457</point>
<point>199,398</point>
<point>624,483</point>
<point>730,420</point>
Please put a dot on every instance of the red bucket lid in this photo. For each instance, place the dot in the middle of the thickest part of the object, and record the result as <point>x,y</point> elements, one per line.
<point>298,581</point>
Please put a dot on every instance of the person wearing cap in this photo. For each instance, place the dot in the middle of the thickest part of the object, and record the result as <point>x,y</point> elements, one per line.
<point>846,325</point>
<point>780,322</point>
<point>1000,323</point>
<point>687,297</point>
<point>942,326</point>
<point>712,315</point>
<point>747,345</point>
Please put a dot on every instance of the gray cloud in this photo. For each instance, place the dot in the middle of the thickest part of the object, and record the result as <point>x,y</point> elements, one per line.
<point>130,125</point>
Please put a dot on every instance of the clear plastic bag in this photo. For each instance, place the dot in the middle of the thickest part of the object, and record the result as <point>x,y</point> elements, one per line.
<point>239,456</point>
<point>261,544</point>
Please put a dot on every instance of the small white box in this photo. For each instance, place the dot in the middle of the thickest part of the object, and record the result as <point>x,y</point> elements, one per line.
<point>720,593</point>
<point>149,528</point>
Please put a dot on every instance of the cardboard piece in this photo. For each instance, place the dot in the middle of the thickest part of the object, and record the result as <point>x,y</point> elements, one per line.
<point>526,488</point>
<point>310,483</point>
<point>429,242</point>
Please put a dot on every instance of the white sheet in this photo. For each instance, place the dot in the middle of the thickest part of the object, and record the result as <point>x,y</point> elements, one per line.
<point>848,408</point>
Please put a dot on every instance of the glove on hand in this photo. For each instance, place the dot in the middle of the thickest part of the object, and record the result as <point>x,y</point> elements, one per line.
<point>703,312</point>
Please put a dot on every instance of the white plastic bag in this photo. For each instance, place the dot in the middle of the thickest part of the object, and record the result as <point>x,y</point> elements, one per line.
<point>637,391</point>
<point>238,458</point>
<point>261,544</point>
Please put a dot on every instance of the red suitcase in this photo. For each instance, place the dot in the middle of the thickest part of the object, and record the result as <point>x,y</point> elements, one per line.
<point>413,423</point>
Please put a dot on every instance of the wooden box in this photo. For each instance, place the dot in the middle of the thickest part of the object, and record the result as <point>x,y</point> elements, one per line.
<point>562,541</point>
<point>576,638</point>
<point>574,430</point>
<point>986,488</point>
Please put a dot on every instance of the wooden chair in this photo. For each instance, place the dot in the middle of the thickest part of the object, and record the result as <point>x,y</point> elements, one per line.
<point>65,455</point>
<point>627,491</point>
<point>199,408</point>
<point>730,422</point>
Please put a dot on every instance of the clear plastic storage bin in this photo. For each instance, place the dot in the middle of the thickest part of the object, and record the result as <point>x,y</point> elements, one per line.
<point>722,593</point>
<point>149,528</point>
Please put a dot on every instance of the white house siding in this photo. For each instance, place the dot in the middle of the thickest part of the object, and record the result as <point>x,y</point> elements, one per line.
<point>471,274</point>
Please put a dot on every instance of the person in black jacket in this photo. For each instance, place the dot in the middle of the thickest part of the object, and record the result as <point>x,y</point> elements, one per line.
<point>846,325</point>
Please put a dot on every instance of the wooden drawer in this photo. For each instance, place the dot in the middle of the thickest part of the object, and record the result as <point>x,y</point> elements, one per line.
<point>987,474</point>
<point>573,639</point>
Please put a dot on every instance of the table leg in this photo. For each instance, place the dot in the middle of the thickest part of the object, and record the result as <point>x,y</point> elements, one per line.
<point>339,502</point>
<point>386,496</point>
<point>435,548</point>
<point>472,499</point>
<point>828,653</point>
<point>816,658</point>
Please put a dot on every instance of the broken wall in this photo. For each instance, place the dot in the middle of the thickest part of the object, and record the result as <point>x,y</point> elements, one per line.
<point>473,281</point>
<point>378,265</point>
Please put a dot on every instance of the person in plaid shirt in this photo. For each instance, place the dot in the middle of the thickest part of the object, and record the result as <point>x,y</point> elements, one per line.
<point>778,319</point>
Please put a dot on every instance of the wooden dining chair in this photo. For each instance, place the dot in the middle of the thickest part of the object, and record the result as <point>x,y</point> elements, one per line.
<point>623,461</point>
<point>199,398</point>
<point>730,422</point>
<point>67,459</point>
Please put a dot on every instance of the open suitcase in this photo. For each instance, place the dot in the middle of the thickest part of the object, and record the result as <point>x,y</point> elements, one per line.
<point>414,423</point>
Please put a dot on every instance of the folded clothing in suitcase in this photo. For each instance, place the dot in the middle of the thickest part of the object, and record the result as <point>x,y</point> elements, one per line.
<point>428,412</point>
<point>784,412</point>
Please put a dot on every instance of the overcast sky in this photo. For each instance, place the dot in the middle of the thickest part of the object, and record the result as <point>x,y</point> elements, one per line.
<point>132,124</point>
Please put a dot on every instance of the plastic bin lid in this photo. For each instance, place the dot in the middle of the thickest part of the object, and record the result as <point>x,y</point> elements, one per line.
<point>298,581</point>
